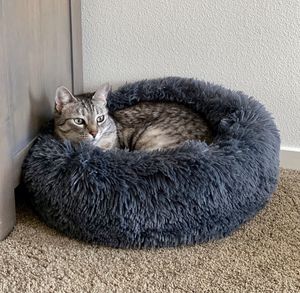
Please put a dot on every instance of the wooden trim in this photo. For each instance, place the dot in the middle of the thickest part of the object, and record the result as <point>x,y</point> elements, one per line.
<point>290,158</point>
<point>76,46</point>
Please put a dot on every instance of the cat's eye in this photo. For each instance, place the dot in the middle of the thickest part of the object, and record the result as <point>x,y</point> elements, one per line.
<point>100,119</point>
<point>79,121</point>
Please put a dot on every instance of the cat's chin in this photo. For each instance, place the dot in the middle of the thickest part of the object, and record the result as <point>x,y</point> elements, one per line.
<point>94,141</point>
<point>88,141</point>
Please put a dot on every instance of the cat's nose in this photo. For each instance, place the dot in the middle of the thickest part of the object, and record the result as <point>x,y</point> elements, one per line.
<point>93,133</point>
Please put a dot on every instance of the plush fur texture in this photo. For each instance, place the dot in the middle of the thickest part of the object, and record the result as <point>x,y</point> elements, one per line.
<point>186,195</point>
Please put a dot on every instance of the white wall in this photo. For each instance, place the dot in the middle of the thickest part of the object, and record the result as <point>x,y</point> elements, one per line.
<point>253,46</point>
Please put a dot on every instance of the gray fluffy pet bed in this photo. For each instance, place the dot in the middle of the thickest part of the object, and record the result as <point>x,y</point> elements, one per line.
<point>186,195</point>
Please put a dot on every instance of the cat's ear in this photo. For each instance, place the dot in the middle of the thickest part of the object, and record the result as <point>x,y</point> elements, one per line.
<point>102,93</point>
<point>62,97</point>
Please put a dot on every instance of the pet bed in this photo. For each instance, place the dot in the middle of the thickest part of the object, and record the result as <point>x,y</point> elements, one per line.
<point>190,194</point>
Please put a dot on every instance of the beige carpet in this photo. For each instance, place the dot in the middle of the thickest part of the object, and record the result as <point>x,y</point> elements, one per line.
<point>263,256</point>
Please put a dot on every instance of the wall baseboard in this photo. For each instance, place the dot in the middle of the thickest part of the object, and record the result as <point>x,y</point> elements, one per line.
<point>290,158</point>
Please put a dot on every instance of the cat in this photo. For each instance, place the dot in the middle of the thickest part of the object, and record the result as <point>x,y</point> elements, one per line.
<point>144,126</point>
<point>84,118</point>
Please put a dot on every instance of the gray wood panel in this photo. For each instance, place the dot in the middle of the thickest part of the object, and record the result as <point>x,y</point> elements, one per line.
<point>37,35</point>
<point>35,58</point>
<point>7,205</point>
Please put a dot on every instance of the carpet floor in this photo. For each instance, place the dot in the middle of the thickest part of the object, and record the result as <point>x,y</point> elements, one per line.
<point>262,256</point>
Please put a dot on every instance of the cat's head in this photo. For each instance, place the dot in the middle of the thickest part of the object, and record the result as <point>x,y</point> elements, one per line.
<point>81,118</point>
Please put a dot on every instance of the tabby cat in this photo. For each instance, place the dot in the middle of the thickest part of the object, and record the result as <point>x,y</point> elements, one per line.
<point>145,126</point>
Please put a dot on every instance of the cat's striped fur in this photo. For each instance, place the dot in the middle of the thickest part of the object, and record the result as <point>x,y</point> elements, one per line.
<point>145,126</point>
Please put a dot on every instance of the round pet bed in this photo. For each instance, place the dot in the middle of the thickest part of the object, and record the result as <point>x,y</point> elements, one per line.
<point>190,194</point>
